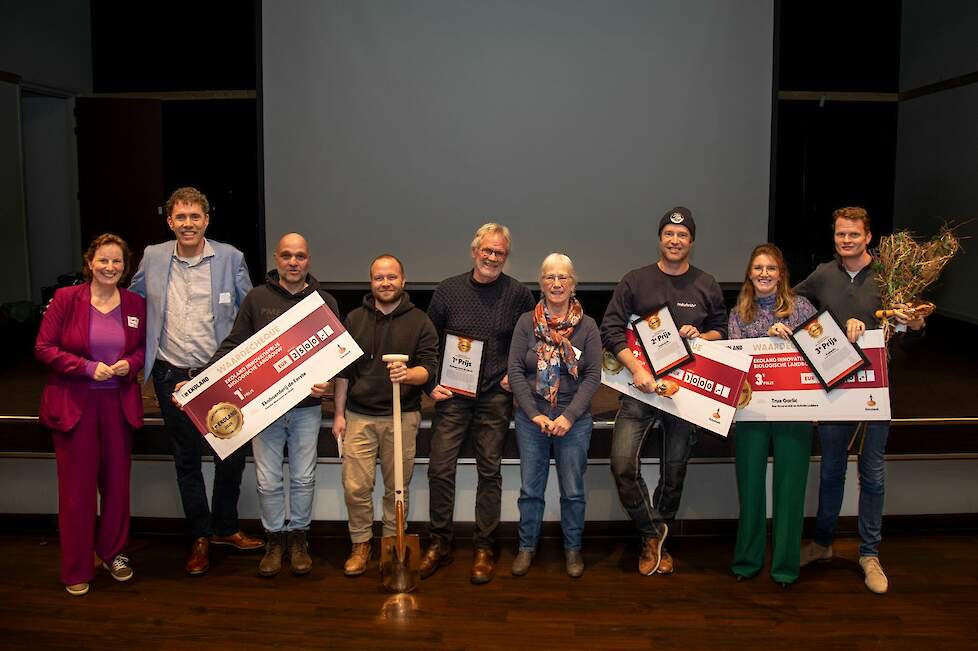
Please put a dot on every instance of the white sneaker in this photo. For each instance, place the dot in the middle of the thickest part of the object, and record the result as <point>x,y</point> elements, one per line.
<point>120,568</point>
<point>876,581</point>
<point>815,553</point>
<point>77,589</point>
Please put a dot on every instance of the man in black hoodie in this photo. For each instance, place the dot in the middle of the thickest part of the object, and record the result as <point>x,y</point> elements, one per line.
<point>387,323</point>
<point>284,286</point>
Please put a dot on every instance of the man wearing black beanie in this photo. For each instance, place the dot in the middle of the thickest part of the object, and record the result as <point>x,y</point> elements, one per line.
<point>697,303</point>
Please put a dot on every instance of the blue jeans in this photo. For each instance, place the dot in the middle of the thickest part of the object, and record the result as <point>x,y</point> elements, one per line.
<point>632,425</point>
<point>570,453</point>
<point>221,516</point>
<point>299,428</point>
<point>834,439</point>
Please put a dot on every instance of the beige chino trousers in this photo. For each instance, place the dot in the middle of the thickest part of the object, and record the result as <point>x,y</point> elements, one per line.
<point>366,437</point>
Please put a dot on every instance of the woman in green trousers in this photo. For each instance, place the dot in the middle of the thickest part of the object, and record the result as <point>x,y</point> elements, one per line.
<point>767,307</point>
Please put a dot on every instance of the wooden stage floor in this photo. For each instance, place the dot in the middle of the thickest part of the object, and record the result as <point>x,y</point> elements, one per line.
<point>932,604</point>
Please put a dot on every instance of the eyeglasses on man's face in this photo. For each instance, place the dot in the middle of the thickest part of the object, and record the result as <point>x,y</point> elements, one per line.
<point>487,252</point>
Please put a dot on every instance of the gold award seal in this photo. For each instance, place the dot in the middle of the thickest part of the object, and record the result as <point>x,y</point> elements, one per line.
<point>464,344</point>
<point>224,420</point>
<point>666,388</point>
<point>610,363</point>
<point>654,322</point>
<point>745,395</point>
<point>814,329</point>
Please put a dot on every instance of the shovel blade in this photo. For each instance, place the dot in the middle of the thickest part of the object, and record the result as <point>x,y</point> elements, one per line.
<point>400,572</point>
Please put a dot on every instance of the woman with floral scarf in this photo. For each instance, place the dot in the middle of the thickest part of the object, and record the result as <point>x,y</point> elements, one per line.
<point>554,371</point>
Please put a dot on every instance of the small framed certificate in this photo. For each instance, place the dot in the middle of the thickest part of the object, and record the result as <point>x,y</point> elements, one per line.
<point>822,341</point>
<point>461,364</point>
<point>659,337</point>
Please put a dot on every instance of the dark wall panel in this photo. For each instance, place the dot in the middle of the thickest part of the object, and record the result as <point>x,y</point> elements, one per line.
<point>839,154</point>
<point>120,172</point>
<point>839,46</point>
<point>173,46</point>
<point>212,145</point>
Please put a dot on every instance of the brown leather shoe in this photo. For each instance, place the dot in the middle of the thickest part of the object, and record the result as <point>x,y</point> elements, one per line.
<point>666,564</point>
<point>436,556</point>
<point>651,556</point>
<point>356,564</point>
<point>198,560</point>
<point>483,568</point>
<point>239,540</point>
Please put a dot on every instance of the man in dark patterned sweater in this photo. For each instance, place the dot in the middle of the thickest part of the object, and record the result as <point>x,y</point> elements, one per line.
<point>482,304</point>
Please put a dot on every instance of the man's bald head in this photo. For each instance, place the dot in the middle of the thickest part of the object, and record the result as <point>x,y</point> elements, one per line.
<point>293,240</point>
<point>292,261</point>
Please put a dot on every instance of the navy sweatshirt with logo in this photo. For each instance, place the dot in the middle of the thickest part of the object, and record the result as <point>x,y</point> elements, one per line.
<point>695,299</point>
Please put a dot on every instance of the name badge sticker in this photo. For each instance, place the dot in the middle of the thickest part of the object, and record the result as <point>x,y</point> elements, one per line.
<point>133,321</point>
<point>224,298</point>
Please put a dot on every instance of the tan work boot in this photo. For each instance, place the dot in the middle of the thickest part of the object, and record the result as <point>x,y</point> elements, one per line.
<point>876,581</point>
<point>271,562</point>
<point>650,557</point>
<point>815,553</point>
<point>300,562</point>
<point>666,564</point>
<point>356,564</point>
<point>522,562</point>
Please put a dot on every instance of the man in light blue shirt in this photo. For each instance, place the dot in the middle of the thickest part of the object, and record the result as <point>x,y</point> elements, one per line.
<point>193,289</point>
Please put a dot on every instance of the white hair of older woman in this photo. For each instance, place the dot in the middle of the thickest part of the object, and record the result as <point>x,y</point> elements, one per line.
<point>558,259</point>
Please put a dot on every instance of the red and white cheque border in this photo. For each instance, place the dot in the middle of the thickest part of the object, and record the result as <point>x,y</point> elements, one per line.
<point>270,372</point>
<point>784,388</point>
<point>704,392</point>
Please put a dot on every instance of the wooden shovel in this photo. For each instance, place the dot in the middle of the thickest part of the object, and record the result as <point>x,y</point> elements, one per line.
<point>400,555</point>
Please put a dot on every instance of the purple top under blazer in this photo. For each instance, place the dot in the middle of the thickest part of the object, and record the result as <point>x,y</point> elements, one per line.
<point>63,345</point>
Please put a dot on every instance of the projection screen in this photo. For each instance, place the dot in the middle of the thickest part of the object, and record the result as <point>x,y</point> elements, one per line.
<point>402,126</point>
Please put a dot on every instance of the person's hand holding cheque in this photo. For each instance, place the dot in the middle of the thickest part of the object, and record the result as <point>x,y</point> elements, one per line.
<point>319,390</point>
<point>780,330</point>
<point>176,390</point>
<point>854,329</point>
<point>642,379</point>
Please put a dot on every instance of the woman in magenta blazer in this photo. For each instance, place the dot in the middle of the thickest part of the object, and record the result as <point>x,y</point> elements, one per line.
<point>93,338</point>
